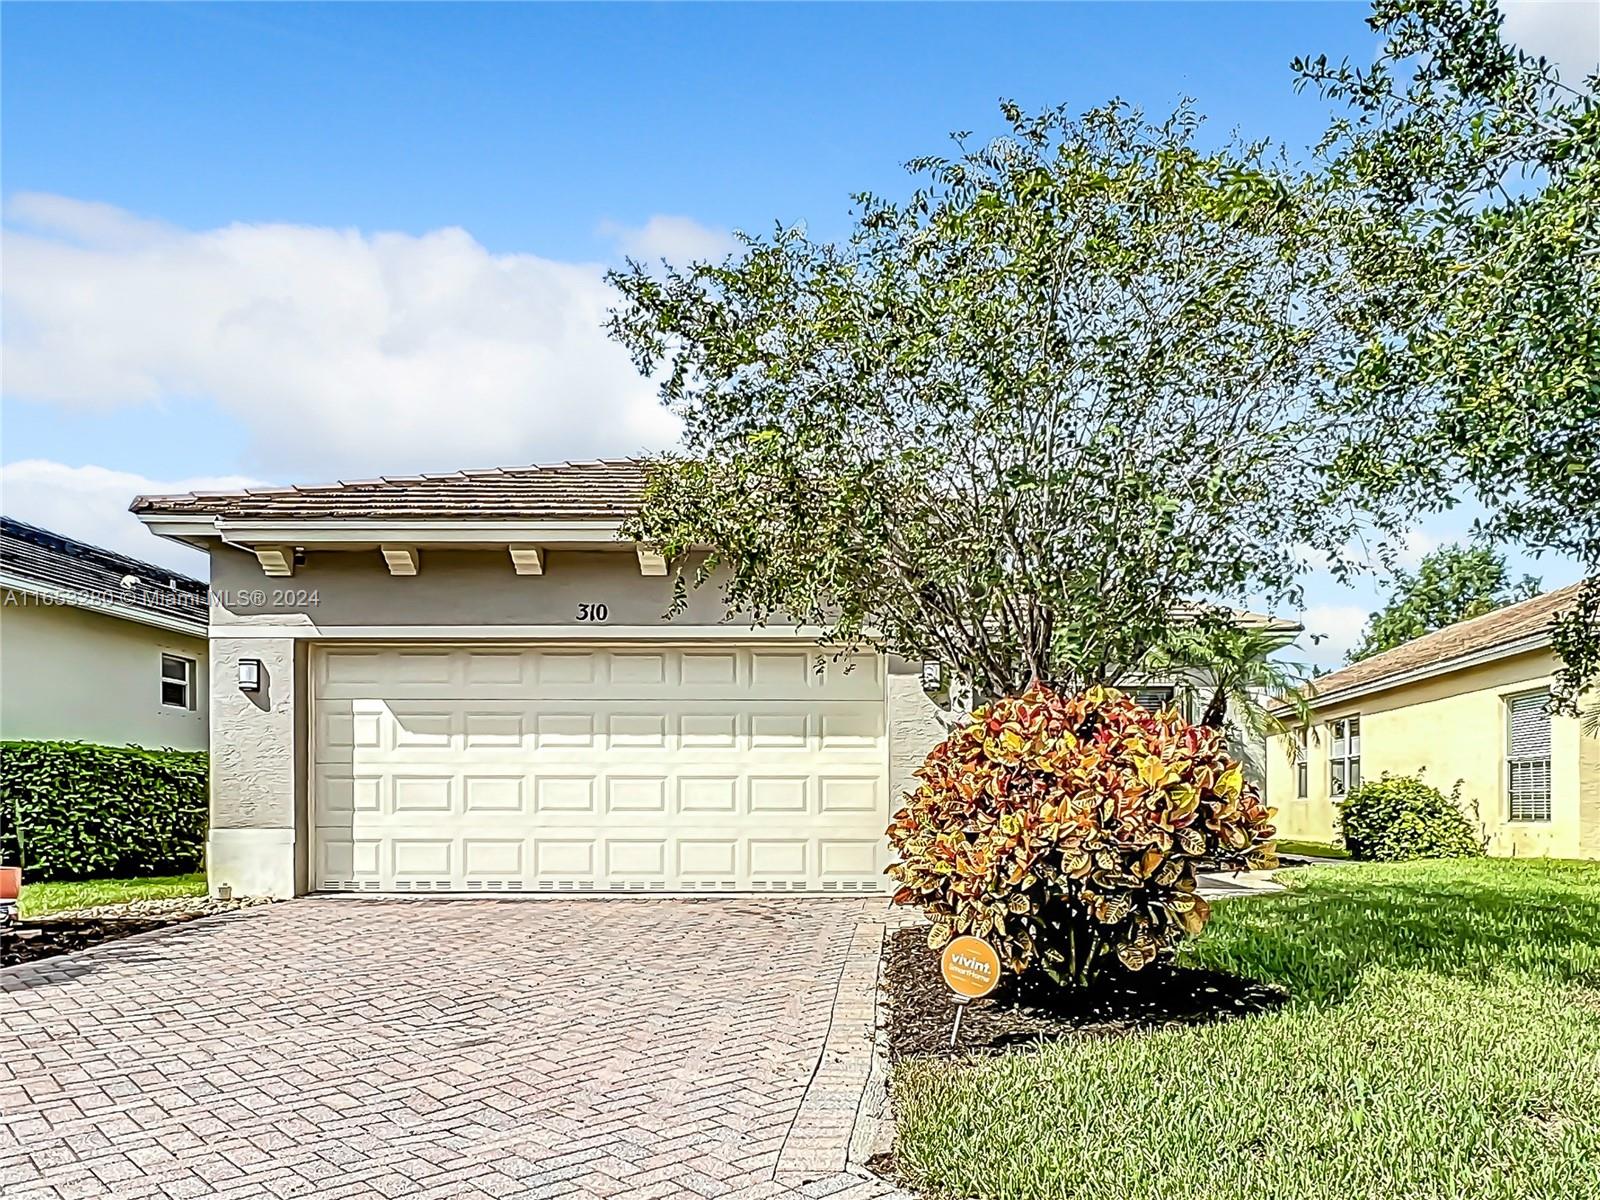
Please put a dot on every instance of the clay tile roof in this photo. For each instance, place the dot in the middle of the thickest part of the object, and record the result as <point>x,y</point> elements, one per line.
<point>1504,626</point>
<point>92,577</point>
<point>603,490</point>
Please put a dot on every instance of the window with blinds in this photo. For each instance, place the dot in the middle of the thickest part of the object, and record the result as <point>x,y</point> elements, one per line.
<point>1528,756</point>
<point>1153,698</point>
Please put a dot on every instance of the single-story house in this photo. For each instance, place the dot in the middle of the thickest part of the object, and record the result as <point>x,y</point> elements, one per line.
<point>98,647</point>
<point>468,683</point>
<point>1469,702</point>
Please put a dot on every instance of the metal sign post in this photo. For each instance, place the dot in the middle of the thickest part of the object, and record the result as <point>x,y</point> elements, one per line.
<point>955,1030</point>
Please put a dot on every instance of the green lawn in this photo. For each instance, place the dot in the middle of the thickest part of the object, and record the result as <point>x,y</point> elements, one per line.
<point>1443,1042</point>
<point>41,898</point>
<point>1312,849</point>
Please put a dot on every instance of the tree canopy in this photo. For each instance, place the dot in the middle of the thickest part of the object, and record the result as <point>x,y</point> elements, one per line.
<point>1080,377</point>
<point>1470,179</point>
<point>1452,583</point>
<point>1100,367</point>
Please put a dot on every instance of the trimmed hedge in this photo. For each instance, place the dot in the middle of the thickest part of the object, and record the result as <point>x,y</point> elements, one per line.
<point>87,811</point>
<point>1398,817</point>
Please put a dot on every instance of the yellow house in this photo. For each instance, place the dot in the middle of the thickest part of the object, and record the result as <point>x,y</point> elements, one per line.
<point>1468,703</point>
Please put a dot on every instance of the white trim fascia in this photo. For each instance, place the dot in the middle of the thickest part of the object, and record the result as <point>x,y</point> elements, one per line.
<point>518,633</point>
<point>63,598</point>
<point>419,532</point>
<point>1461,662</point>
<point>319,530</point>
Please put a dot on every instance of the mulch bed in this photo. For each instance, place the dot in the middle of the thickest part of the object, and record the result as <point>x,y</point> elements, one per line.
<point>921,1008</point>
<point>33,938</point>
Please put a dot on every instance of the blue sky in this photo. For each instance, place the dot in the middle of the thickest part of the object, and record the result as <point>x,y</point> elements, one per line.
<point>303,242</point>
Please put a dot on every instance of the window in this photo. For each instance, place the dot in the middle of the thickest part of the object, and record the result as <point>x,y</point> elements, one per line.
<point>177,681</point>
<point>1302,768</point>
<point>1152,698</point>
<point>1344,756</point>
<point>1528,756</point>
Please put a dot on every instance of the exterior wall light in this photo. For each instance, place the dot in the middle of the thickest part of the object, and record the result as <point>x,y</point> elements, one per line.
<point>249,674</point>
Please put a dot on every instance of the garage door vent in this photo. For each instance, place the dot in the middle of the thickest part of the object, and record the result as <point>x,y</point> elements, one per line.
<point>709,885</point>
<point>566,885</point>
<point>779,885</point>
<point>849,885</point>
<point>422,885</point>
<point>638,885</point>
<point>348,885</point>
<point>494,885</point>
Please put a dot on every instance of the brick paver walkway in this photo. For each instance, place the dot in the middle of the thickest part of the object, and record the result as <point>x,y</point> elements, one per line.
<point>468,1048</point>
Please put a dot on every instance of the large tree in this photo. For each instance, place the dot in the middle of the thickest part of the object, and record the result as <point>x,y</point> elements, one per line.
<point>1469,174</point>
<point>1081,376</point>
<point>1452,583</point>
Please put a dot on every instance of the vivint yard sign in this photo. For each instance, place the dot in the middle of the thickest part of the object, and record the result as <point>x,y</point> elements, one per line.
<point>971,968</point>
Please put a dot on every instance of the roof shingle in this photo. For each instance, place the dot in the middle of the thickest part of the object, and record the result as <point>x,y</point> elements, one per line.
<point>93,577</point>
<point>607,489</point>
<point>1502,627</point>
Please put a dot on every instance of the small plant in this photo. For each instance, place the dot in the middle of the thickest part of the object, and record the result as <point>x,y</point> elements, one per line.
<point>1066,830</point>
<point>1398,817</point>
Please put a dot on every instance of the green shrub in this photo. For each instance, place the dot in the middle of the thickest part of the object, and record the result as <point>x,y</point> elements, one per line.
<point>1066,830</point>
<point>1398,817</point>
<point>86,811</point>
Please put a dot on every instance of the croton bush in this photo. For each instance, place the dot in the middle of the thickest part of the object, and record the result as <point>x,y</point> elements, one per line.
<point>1066,830</point>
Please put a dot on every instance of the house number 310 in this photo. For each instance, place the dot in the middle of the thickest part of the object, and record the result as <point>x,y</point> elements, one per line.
<point>593,612</point>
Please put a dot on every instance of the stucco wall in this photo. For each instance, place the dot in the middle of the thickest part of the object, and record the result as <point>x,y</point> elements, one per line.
<point>451,588</point>
<point>258,760</point>
<point>74,675</point>
<point>1449,728</point>
<point>1589,793</point>
<point>914,726</point>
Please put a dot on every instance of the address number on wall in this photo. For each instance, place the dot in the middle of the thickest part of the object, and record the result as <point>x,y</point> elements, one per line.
<point>593,612</point>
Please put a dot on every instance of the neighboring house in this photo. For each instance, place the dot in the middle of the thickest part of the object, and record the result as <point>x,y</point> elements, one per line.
<point>467,682</point>
<point>1469,703</point>
<point>98,647</point>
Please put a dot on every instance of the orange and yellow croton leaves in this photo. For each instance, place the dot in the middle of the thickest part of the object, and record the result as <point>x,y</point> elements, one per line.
<point>1066,830</point>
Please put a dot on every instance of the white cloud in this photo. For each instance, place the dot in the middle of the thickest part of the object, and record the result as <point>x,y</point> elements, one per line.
<point>676,239</point>
<point>1567,32</point>
<point>91,504</point>
<point>1416,545</point>
<point>1338,628</point>
<point>340,352</point>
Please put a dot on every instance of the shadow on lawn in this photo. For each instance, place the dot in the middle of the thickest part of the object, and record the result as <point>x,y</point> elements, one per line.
<point>1316,941</point>
<point>921,1009</point>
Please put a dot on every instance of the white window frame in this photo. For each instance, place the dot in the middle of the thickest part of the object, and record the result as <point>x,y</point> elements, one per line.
<point>1302,766</point>
<point>1344,750</point>
<point>188,665</point>
<point>1529,794</point>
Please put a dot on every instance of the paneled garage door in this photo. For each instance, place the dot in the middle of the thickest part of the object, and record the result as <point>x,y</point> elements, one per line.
<point>577,768</point>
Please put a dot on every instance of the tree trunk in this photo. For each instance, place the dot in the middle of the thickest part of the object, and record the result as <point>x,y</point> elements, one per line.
<point>1216,711</point>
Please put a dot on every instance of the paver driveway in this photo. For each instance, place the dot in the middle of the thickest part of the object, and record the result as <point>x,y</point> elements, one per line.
<point>432,1048</point>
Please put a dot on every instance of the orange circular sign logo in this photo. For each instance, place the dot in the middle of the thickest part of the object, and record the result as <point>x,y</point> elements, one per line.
<point>971,967</point>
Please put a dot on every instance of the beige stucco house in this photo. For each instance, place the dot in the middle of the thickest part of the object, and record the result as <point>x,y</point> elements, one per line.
<point>468,683</point>
<point>1465,703</point>
<point>98,647</point>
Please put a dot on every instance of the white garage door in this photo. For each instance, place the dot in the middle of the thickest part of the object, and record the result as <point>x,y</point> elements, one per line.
<point>578,768</point>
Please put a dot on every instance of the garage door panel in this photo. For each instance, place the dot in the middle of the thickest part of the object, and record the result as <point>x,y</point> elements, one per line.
<point>505,768</point>
<point>494,795</point>
<point>512,673</point>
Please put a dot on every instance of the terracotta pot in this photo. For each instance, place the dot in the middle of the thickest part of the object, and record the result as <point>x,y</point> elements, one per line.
<point>10,883</point>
